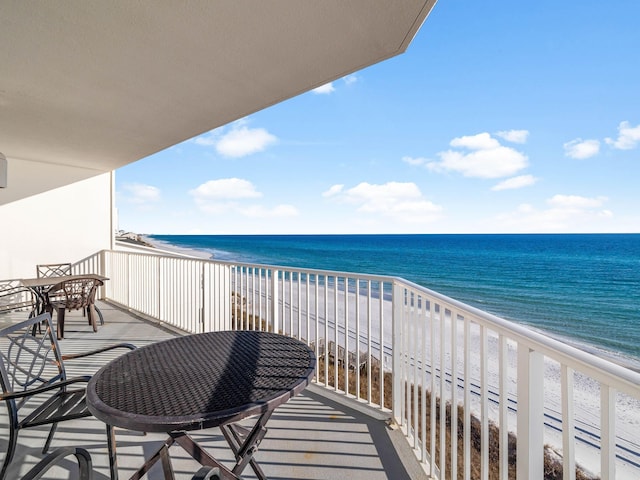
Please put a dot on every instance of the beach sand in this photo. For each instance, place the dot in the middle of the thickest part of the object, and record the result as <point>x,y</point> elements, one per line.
<point>167,247</point>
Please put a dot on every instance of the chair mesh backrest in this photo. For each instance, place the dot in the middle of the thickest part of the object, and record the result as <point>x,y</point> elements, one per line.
<point>74,294</point>
<point>53,270</point>
<point>29,355</point>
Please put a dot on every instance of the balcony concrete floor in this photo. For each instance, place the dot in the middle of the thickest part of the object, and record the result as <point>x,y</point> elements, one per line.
<point>317,435</point>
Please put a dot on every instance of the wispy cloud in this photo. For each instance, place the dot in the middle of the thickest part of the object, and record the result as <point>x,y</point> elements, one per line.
<point>334,190</point>
<point>230,196</point>
<point>244,141</point>
<point>225,188</point>
<point>259,211</point>
<point>238,140</point>
<point>329,88</point>
<point>514,136</point>
<point>350,79</point>
<point>141,194</point>
<point>628,137</point>
<point>581,149</point>
<point>564,213</point>
<point>402,202</point>
<point>480,156</point>
<point>576,202</point>
<point>416,161</point>
<point>325,89</point>
<point>515,183</point>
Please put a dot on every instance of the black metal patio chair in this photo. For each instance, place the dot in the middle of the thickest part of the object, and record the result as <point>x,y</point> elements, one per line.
<point>43,466</point>
<point>77,294</point>
<point>35,386</point>
<point>14,296</point>
<point>53,270</point>
<point>85,466</point>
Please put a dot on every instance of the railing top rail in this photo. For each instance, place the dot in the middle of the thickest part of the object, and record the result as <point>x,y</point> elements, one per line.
<point>549,346</point>
<point>311,271</point>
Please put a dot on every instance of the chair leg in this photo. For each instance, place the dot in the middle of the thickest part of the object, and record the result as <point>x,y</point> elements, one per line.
<point>99,315</point>
<point>61,312</point>
<point>91,313</point>
<point>11,449</point>
<point>52,432</point>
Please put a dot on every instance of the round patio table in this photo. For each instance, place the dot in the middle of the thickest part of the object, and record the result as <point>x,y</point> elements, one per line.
<point>201,381</point>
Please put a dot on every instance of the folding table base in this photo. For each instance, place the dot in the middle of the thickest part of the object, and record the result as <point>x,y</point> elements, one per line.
<point>243,441</point>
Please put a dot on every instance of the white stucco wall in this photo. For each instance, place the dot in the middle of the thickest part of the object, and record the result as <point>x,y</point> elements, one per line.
<point>62,225</point>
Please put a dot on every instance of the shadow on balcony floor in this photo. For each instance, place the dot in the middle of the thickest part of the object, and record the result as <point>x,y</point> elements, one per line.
<point>317,435</point>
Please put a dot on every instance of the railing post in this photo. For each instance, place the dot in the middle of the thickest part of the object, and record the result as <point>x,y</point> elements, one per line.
<point>158,282</point>
<point>530,420</point>
<point>607,432</point>
<point>396,351</point>
<point>128,280</point>
<point>275,301</point>
<point>102,271</point>
<point>202,297</point>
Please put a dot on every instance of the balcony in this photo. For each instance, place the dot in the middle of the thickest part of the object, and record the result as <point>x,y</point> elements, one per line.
<point>316,435</point>
<point>391,353</point>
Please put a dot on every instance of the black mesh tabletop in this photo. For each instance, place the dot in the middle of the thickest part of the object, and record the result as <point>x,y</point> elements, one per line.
<point>200,381</point>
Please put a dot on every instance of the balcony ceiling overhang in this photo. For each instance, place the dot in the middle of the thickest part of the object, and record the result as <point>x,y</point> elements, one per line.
<point>87,87</point>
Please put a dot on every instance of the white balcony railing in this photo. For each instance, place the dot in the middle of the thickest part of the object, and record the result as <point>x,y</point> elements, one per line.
<point>400,347</point>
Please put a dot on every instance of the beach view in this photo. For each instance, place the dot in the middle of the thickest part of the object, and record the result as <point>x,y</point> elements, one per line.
<point>410,234</point>
<point>511,205</point>
<point>533,296</point>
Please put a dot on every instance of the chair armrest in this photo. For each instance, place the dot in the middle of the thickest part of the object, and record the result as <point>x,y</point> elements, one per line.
<point>99,350</point>
<point>45,388</point>
<point>82,456</point>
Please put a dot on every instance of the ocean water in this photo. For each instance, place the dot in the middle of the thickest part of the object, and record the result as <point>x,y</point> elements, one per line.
<point>582,288</point>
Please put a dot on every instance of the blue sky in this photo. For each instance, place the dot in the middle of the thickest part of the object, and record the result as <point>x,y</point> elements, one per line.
<point>501,117</point>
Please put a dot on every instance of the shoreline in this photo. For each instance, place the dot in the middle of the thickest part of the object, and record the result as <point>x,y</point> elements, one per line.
<point>621,359</point>
<point>169,247</point>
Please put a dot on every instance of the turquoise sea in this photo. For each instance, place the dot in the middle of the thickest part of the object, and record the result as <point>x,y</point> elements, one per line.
<point>583,288</point>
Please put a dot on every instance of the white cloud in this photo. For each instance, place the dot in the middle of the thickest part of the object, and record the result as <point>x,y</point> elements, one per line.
<point>225,188</point>
<point>564,213</point>
<point>139,193</point>
<point>581,149</point>
<point>402,202</point>
<point>481,141</point>
<point>334,190</point>
<point>258,211</point>
<point>237,140</point>
<point>628,137</point>
<point>329,88</point>
<point>487,158</point>
<point>416,162</point>
<point>514,136</point>
<point>571,202</point>
<point>242,141</point>
<point>325,89</point>
<point>229,196</point>
<point>207,139</point>
<point>350,79</point>
<point>515,182</point>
